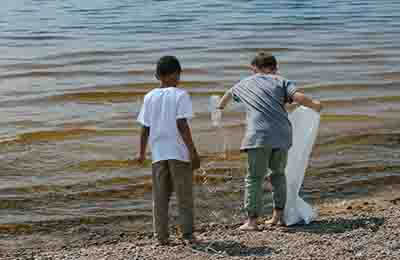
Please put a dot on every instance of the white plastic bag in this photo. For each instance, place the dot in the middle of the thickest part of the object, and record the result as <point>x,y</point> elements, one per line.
<point>305,123</point>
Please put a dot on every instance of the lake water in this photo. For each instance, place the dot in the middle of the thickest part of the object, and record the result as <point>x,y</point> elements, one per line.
<point>73,74</point>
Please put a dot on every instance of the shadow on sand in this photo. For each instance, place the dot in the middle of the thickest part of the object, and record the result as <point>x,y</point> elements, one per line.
<point>329,226</point>
<point>337,225</point>
<point>230,248</point>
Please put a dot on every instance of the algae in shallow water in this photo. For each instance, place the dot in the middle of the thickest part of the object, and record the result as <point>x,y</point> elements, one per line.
<point>16,228</point>
<point>336,117</point>
<point>384,139</point>
<point>64,134</point>
<point>343,169</point>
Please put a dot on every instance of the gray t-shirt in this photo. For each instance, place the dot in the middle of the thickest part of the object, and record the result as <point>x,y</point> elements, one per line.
<point>264,97</point>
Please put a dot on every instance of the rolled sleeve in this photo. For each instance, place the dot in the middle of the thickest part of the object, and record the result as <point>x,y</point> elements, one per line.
<point>185,109</point>
<point>291,89</point>
<point>234,91</point>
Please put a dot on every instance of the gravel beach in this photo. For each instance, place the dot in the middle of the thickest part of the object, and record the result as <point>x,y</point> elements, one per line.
<point>366,228</point>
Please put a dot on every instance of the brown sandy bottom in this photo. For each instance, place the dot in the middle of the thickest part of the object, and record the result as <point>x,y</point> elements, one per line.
<point>365,228</point>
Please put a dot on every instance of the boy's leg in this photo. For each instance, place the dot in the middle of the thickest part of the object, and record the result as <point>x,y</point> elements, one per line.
<point>257,165</point>
<point>277,163</point>
<point>162,188</point>
<point>182,177</point>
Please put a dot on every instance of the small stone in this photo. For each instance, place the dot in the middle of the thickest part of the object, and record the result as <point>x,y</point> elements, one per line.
<point>395,246</point>
<point>213,224</point>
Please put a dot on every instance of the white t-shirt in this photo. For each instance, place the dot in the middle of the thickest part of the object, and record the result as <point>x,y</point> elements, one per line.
<point>160,110</point>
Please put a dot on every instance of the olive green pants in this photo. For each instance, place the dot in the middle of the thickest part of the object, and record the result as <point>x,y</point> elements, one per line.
<point>259,161</point>
<point>169,176</point>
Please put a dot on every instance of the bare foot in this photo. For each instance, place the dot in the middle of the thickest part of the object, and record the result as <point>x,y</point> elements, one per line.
<point>162,242</point>
<point>276,219</point>
<point>272,222</point>
<point>275,222</point>
<point>248,227</point>
<point>191,240</point>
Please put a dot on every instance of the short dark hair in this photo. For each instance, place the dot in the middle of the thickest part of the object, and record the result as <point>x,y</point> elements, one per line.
<point>264,60</point>
<point>168,65</point>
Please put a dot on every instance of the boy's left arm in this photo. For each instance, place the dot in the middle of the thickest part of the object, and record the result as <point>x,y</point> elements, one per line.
<point>225,99</point>
<point>293,94</point>
<point>230,94</point>
<point>303,100</point>
<point>185,112</point>
<point>184,130</point>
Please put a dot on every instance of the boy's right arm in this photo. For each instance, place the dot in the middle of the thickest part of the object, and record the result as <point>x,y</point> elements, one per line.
<point>225,99</point>
<point>302,99</point>
<point>144,137</point>
<point>184,130</point>
<point>144,120</point>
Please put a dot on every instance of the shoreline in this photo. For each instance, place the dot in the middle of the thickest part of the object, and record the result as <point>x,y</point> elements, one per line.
<point>362,228</point>
<point>353,179</point>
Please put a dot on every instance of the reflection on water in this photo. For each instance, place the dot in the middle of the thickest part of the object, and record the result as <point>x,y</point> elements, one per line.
<point>73,75</point>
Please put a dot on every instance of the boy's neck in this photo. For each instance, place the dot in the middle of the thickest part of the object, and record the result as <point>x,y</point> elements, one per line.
<point>167,86</point>
<point>265,71</point>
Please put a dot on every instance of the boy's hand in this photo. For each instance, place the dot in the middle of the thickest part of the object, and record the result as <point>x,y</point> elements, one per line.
<point>141,159</point>
<point>195,158</point>
<point>303,100</point>
<point>224,100</point>
<point>317,106</point>
<point>144,136</point>
<point>184,130</point>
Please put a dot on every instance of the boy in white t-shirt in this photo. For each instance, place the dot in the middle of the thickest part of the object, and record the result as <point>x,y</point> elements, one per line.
<point>164,119</point>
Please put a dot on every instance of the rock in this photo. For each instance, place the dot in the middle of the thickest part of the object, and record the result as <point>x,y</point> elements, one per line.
<point>395,246</point>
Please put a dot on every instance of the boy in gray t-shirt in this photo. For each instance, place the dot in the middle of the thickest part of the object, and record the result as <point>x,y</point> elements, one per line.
<point>268,134</point>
